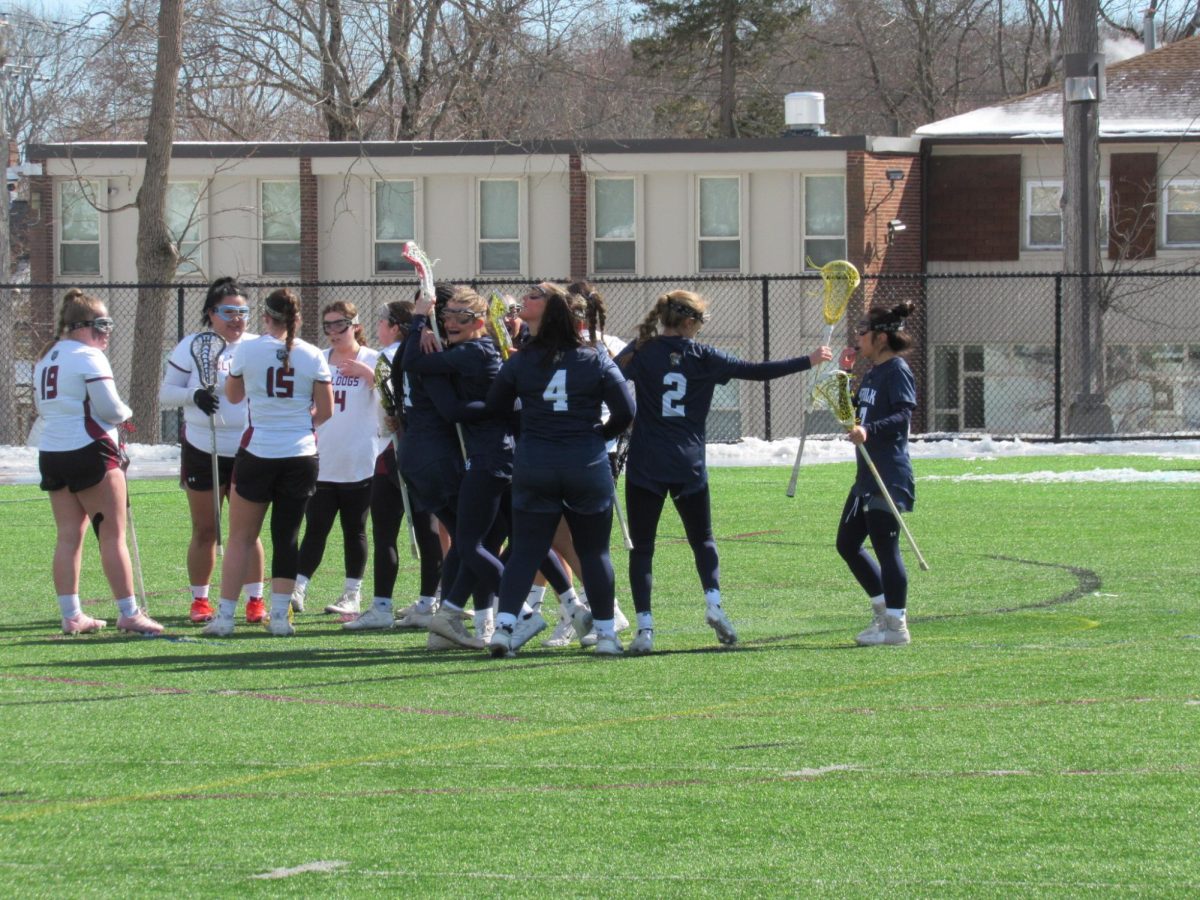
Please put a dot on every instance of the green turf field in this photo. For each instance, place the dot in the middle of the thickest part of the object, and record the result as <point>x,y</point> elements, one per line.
<point>1041,736</point>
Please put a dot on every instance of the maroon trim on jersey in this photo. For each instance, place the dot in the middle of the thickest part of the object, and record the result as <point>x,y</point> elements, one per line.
<point>97,378</point>
<point>178,369</point>
<point>246,436</point>
<point>93,428</point>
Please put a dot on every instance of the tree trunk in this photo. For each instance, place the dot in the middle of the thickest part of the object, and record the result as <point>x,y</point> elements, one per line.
<point>157,255</point>
<point>727,116</point>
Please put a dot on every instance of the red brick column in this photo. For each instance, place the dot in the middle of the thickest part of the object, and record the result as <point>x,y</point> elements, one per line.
<point>41,255</point>
<point>577,185</point>
<point>310,268</point>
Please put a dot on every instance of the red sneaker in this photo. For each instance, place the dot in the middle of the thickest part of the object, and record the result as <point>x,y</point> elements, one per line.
<point>202,611</point>
<point>256,610</point>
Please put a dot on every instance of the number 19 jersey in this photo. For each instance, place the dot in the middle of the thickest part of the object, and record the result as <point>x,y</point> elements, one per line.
<point>279,395</point>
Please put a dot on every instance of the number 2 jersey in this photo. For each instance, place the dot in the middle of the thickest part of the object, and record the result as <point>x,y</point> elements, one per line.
<point>279,396</point>
<point>76,397</point>
<point>350,439</point>
<point>675,378</point>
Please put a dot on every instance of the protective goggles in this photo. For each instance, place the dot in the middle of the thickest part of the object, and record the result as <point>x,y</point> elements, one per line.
<point>102,324</point>
<point>231,312</point>
<point>338,326</point>
<point>459,316</point>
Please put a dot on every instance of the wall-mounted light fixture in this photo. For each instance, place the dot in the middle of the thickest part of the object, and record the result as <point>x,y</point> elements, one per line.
<point>894,174</point>
<point>894,226</point>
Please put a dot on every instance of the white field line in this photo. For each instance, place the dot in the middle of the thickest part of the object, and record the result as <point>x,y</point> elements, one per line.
<point>319,866</point>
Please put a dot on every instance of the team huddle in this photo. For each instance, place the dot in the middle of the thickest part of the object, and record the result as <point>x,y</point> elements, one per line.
<point>494,438</point>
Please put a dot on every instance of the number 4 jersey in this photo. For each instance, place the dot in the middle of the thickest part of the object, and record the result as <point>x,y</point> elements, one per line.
<point>350,439</point>
<point>279,388</point>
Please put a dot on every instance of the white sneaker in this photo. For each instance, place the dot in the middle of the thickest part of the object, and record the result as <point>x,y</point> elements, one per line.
<point>609,646</point>
<point>620,622</point>
<point>526,629</point>
<point>413,618</point>
<point>280,626</point>
<point>719,622</point>
<point>449,624</point>
<point>350,602</point>
<point>643,643</point>
<point>373,618</point>
<point>581,619</point>
<point>564,630</point>
<point>219,626</point>
<point>866,636</point>
<point>437,642</point>
<point>297,601</point>
<point>893,632</point>
<point>589,639</point>
<point>501,645</point>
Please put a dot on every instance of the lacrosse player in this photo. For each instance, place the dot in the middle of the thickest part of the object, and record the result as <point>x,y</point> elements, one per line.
<point>886,398</point>
<point>675,376</point>
<point>199,394</point>
<point>81,464</point>
<point>287,385</point>
<point>349,440</point>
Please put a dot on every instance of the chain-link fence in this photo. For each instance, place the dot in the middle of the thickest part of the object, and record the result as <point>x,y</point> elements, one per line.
<point>1039,356</point>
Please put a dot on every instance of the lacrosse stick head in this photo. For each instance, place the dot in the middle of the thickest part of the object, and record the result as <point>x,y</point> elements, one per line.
<point>497,327</point>
<point>840,279</point>
<point>833,393</point>
<point>383,384</point>
<point>207,347</point>
<point>422,266</point>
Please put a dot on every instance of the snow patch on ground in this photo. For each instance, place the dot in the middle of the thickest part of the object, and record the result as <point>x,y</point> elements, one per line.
<point>1121,476</point>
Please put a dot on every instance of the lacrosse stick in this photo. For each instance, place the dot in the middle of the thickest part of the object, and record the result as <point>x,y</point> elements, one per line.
<point>496,311</point>
<point>833,392</point>
<point>620,454</point>
<point>207,348</point>
<point>840,280</point>
<point>383,384</point>
<point>424,269</point>
<point>143,601</point>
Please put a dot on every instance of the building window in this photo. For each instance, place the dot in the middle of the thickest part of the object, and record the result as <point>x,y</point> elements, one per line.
<point>958,388</point>
<point>395,223</point>
<point>1181,214</point>
<point>824,219</point>
<point>280,211</point>
<point>185,222</point>
<point>720,224</point>
<point>78,228</point>
<point>614,225</point>
<point>1043,214</point>
<point>500,225</point>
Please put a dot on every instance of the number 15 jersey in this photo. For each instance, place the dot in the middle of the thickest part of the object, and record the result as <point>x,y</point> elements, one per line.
<point>279,395</point>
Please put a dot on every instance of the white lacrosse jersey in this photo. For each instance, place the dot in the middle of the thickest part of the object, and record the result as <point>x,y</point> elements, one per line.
<point>76,397</point>
<point>350,439</point>
<point>279,418</point>
<point>180,383</point>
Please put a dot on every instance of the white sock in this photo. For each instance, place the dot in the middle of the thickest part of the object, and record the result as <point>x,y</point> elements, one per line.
<point>353,585</point>
<point>482,618</point>
<point>128,606</point>
<point>504,618</point>
<point>897,614</point>
<point>280,605</point>
<point>226,609</point>
<point>526,610</point>
<point>382,603</point>
<point>713,597</point>
<point>199,591</point>
<point>537,595</point>
<point>878,603</point>
<point>424,603</point>
<point>604,627</point>
<point>301,584</point>
<point>253,589</point>
<point>569,596</point>
<point>68,604</point>
<point>645,620</point>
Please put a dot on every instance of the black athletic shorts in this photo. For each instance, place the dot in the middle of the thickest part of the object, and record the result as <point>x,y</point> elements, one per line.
<point>78,470</point>
<point>261,480</point>
<point>585,489</point>
<point>195,468</point>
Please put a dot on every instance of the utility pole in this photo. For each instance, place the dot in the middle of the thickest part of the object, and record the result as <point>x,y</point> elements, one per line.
<point>1089,412</point>
<point>8,297</point>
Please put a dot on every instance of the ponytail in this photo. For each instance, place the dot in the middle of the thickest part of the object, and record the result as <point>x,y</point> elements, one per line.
<point>283,306</point>
<point>76,307</point>
<point>890,321</point>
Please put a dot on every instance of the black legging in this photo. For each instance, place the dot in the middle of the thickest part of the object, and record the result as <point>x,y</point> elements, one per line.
<point>387,517</point>
<point>287,513</point>
<point>350,502</point>
<point>644,508</point>
<point>888,576</point>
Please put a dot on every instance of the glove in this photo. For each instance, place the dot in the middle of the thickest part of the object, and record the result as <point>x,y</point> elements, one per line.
<point>206,400</point>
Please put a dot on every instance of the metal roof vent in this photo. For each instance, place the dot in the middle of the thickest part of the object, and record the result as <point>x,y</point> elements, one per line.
<point>804,113</point>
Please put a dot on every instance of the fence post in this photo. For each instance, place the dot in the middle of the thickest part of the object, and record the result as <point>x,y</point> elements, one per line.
<point>766,327</point>
<point>1058,355</point>
<point>179,313</point>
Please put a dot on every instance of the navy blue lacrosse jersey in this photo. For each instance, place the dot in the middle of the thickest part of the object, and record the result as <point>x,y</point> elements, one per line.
<point>472,366</point>
<point>885,401</point>
<point>560,404</point>
<point>426,431</point>
<point>674,378</point>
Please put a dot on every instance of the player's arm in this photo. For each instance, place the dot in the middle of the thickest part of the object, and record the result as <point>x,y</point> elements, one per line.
<point>322,397</point>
